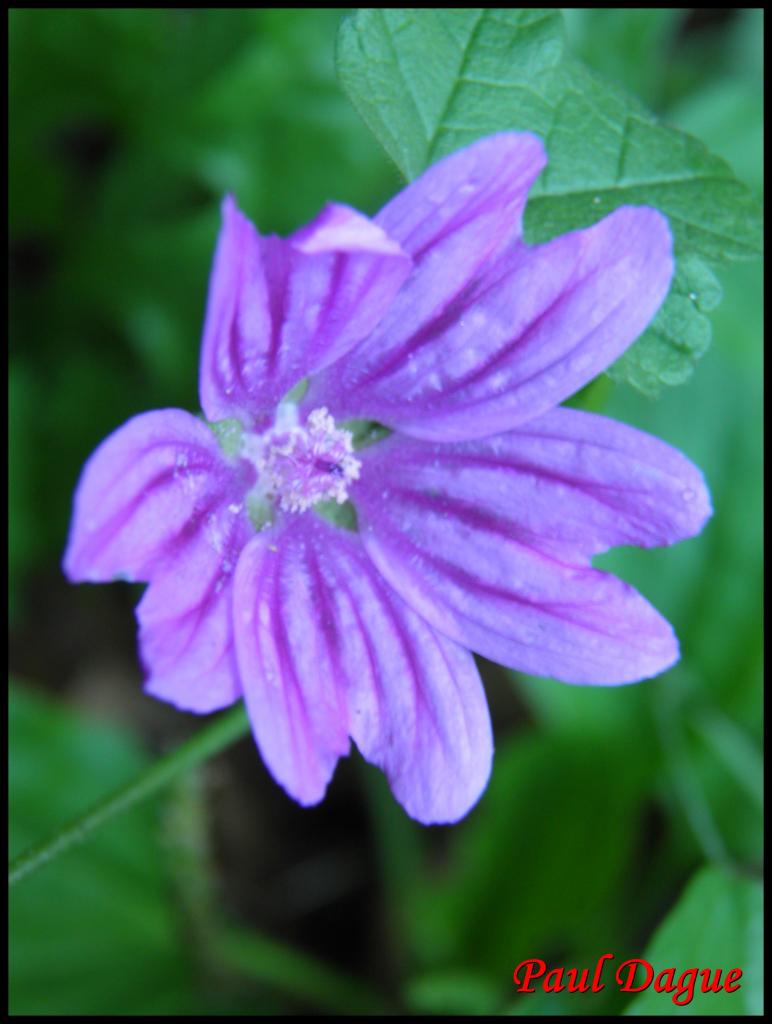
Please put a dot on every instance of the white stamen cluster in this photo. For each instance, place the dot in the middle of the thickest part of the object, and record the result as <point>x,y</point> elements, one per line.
<point>299,466</point>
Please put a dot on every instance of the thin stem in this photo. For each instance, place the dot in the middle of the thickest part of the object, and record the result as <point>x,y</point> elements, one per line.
<point>285,969</point>
<point>209,740</point>
<point>732,746</point>
<point>687,785</point>
<point>186,846</point>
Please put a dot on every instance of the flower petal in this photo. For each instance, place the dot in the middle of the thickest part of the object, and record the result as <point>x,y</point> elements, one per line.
<point>453,219</point>
<point>535,326</point>
<point>326,650</point>
<point>185,617</point>
<point>569,483</point>
<point>279,309</point>
<point>490,540</point>
<point>476,194</point>
<point>143,493</point>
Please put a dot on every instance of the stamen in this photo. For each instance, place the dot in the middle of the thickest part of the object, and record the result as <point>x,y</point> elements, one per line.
<point>299,466</point>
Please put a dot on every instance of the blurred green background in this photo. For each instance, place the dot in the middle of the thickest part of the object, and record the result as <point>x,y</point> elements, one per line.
<point>612,815</point>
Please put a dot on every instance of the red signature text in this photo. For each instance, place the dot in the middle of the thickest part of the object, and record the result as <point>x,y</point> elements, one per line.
<point>634,975</point>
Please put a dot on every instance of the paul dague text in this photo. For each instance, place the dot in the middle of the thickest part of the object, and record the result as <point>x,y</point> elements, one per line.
<point>634,975</point>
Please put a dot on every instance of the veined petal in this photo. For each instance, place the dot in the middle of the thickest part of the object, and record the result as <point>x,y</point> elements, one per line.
<point>534,327</point>
<point>452,220</point>
<point>280,309</point>
<point>185,617</point>
<point>481,188</point>
<point>490,540</point>
<point>569,483</point>
<point>145,491</point>
<point>327,650</point>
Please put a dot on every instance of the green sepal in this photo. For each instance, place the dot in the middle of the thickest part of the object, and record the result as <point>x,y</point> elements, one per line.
<point>365,432</point>
<point>344,515</point>
<point>228,434</point>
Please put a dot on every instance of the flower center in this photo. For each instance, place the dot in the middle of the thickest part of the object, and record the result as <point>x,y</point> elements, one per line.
<point>299,466</point>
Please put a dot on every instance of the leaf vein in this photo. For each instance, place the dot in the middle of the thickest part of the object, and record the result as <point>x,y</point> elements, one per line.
<point>432,140</point>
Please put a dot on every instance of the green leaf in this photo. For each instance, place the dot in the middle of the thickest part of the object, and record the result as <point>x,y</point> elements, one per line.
<point>428,82</point>
<point>717,923</point>
<point>536,865</point>
<point>95,931</point>
<point>420,77</point>
<point>606,150</point>
<point>668,350</point>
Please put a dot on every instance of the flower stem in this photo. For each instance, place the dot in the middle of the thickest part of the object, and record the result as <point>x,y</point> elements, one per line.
<point>209,740</point>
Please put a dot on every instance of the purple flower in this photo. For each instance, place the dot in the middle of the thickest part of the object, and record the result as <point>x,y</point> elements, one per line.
<point>476,517</point>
